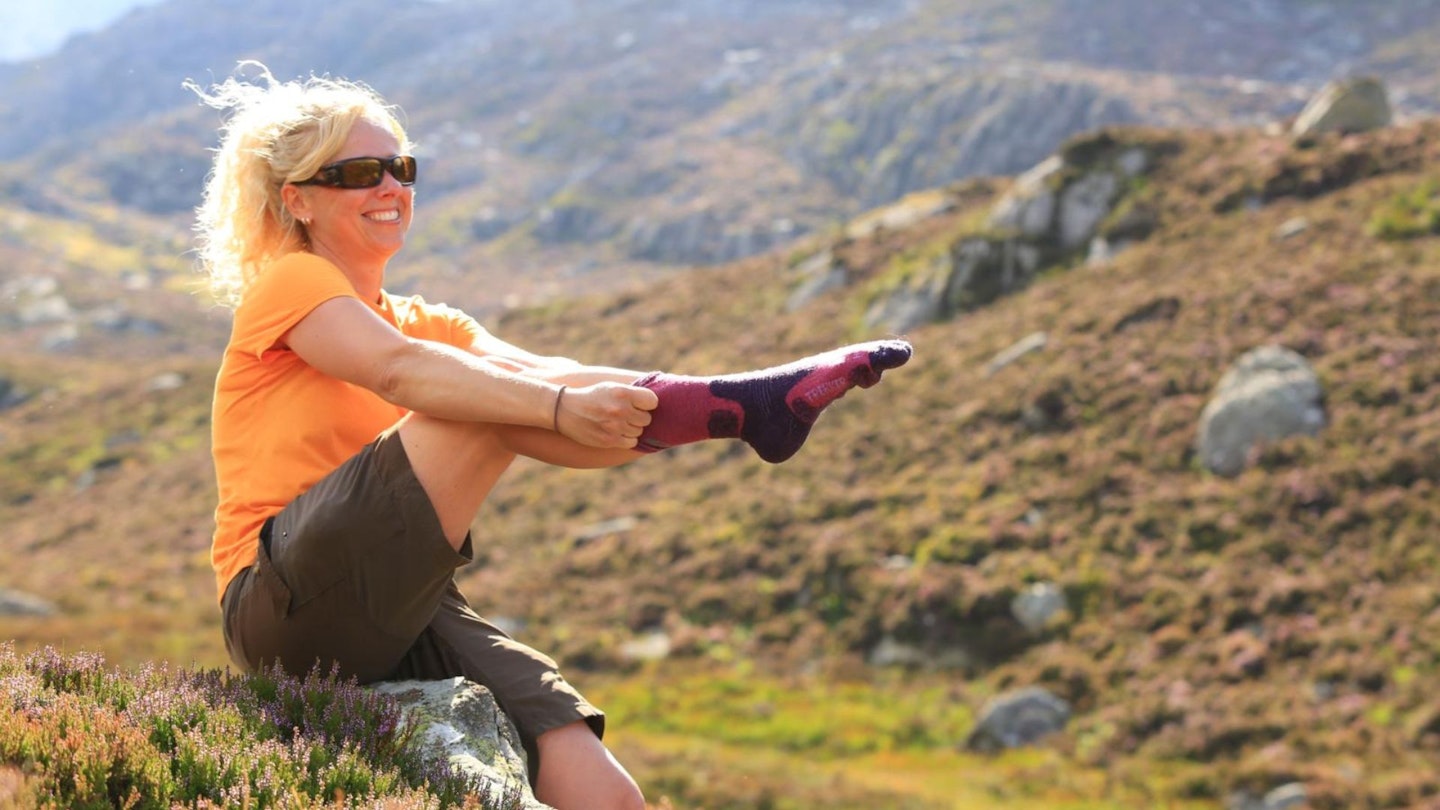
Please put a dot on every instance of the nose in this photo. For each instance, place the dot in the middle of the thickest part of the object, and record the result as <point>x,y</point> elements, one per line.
<point>389,185</point>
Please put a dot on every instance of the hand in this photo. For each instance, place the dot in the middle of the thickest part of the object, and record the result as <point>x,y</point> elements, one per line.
<point>606,414</point>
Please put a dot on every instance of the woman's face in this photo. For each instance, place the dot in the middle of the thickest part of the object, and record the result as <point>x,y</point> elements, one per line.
<point>358,224</point>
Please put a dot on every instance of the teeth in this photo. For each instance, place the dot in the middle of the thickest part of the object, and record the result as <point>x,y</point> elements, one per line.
<point>384,216</point>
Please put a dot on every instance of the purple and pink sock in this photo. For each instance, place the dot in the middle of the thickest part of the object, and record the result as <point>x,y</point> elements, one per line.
<point>771,410</point>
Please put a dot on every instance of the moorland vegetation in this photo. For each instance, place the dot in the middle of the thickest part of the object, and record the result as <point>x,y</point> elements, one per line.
<point>1221,633</point>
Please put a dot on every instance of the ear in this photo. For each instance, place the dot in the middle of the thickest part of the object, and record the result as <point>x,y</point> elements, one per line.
<point>296,201</point>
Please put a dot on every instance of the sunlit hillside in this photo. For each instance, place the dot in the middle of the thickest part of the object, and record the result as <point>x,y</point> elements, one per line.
<point>1221,634</point>
<point>569,146</point>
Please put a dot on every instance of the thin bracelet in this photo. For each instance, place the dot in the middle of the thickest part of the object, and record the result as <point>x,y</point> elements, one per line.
<point>559,395</point>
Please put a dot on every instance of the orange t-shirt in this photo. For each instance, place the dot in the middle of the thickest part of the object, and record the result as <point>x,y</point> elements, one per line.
<point>279,425</point>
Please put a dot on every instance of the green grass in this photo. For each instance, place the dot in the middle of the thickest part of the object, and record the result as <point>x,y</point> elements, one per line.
<point>823,718</point>
<point>1408,214</point>
<point>881,740</point>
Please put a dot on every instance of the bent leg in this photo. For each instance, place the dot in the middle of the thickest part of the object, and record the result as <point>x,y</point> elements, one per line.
<point>772,410</point>
<point>559,729</point>
<point>347,574</point>
<point>459,463</point>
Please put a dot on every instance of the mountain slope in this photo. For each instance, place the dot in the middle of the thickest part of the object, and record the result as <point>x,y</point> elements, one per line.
<point>1243,632</point>
<point>581,144</point>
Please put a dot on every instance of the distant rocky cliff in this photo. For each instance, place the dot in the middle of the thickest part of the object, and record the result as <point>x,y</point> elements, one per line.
<point>877,140</point>
<point>570,137</point>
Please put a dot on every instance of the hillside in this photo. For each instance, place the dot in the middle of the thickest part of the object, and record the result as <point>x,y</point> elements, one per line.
<point>1221,634</point>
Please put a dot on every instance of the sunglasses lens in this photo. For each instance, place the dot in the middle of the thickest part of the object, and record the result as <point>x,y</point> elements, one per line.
<point>362,173</point>
<point>403,168</point>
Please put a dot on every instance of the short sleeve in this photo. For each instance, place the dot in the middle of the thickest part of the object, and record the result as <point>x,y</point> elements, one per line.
<point>287,291</point>
<point>464,330</point>
<point>442,323</point>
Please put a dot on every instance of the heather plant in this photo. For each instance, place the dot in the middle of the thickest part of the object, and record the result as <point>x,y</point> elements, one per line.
<point>157,737</point>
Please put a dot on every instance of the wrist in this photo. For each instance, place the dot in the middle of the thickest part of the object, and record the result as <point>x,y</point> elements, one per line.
<point>555,414</point>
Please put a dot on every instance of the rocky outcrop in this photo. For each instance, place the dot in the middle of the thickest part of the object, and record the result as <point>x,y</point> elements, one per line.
<point>892,652</point>
<point>459,723</point>
<point>879,138</point>
<point>11,394</point>
<point>1270,393</point>
<point>573,222</point>
<point>1018,718</point>
<point>19,603</point>
<point>985,269</point>
<point>1051,213</point>
<point>34,300</point>
<point>704,237</point>
<point>37,304</point>
<point>1290,796</point>
<point>903,214</point>
<point>1038,605</point>
<point>1063,200</point>
<point>818,274</point>
<point>1351,105</point>
<point>918,300</point>
<point>1031,343</point>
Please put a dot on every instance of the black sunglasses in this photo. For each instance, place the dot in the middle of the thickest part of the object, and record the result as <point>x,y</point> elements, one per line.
<point>364,172</point>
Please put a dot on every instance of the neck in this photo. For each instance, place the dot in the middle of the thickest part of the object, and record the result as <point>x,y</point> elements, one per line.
<point>366,276</point>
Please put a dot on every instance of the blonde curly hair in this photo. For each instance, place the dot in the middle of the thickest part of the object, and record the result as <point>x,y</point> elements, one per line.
<point>275,133</point>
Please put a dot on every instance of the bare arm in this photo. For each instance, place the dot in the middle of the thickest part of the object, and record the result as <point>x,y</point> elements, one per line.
<point>344,339</point>
<point>512,358</point>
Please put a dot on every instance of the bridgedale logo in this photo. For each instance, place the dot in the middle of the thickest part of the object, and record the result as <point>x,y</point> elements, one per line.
<point>823,391</point>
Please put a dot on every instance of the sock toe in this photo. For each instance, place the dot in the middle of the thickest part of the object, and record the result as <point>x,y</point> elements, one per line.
<point>882,355</point>
<point>889,354</point>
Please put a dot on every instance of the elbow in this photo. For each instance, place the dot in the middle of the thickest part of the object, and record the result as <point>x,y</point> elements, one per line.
<point>393,375</point>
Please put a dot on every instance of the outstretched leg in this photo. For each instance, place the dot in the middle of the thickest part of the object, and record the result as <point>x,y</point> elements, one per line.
<point>772,410</point>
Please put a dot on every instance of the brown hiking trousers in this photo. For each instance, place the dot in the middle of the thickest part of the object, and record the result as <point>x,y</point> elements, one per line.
<point>356,572</point>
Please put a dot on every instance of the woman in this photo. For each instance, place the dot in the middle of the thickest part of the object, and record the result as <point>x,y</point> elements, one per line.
<point>356,433</point>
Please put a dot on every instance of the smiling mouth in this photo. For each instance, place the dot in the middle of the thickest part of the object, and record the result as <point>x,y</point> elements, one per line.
<point>384,216</point>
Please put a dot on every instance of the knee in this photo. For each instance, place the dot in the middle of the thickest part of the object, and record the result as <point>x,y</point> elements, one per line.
<point>625,795</point>
<point>455,442</point>
<point>453,430</point>
<point>620,794</point>
<point>632,800</point>
<point>577,771</point>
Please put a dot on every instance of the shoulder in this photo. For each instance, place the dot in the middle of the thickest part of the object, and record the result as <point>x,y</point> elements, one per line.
<point>299,264</point>
<point>284,293</point>
<point>296,276</point>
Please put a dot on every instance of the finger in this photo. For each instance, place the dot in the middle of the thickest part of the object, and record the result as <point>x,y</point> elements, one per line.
<point>644,398</point>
